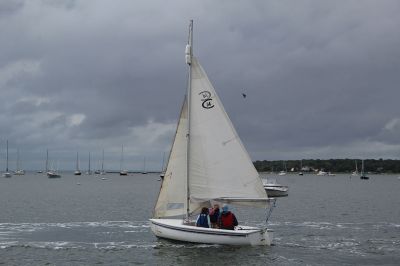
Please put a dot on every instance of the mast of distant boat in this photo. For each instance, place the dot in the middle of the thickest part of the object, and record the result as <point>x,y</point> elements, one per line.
<point>7,159</point>
<point>47,160</point>
<point>102,163</point>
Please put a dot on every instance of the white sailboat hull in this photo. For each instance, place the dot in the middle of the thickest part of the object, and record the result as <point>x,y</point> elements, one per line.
<point>7,174</point>
<point>51,174</point>
<point>174,229</point>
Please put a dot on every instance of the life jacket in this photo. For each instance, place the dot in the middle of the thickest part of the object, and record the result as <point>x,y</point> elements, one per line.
<point>202,221</point>
<point>227,221</point>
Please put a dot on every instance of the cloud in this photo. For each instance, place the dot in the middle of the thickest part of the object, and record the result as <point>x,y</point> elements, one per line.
<point>321,78</point>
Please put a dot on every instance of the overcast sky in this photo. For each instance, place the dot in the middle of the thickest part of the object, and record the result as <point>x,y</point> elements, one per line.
<point>321,77</point>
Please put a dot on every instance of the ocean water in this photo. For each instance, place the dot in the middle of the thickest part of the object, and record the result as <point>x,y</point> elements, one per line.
<point>84,220</point>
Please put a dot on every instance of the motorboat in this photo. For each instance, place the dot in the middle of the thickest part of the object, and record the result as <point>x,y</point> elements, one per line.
<point>274,189</point>
<point>321,173</point>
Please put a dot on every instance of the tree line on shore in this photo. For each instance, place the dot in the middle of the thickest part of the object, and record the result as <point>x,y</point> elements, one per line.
<point>331,165</point>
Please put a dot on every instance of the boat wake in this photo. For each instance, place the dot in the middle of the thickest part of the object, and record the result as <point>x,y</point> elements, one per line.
<point>76,235</point>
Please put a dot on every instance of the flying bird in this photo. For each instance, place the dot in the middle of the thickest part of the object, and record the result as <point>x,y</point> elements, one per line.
<point>244,95</point>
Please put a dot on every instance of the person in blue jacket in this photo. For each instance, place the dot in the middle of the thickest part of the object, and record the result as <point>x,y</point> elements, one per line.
<point>203,220</point>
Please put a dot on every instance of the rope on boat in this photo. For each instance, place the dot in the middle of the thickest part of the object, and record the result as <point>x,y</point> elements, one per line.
<point>271,208</point>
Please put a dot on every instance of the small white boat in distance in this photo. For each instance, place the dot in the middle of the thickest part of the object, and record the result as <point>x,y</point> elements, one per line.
<point>18,171</point>
<point>363,175</point>
<point>77,171</point>
<point>53,174</point>
<point>122,171</point>
<point>207,164</point>
<point>274,189</point>
<point>282,173</point>
<point>7,174</point>
<point>321,173</point>
<point>355,173</point>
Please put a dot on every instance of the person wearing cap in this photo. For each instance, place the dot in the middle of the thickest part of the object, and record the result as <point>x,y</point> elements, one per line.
<point>227,220</point>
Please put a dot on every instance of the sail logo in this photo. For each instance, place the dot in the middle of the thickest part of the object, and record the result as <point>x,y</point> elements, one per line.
<point>207,100</point>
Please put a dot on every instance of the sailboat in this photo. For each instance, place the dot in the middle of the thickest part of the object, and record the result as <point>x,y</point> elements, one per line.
<point>363,176</point>
<point>283,172</point>
<point>7,173</point>
<point>144,166</point>
<point>208,163</point>
<point>162,173</point>
<point>18,171</point>
<point>122,170</point>
<point>102,172</point>
<point>51,173</point>
<point>301,168</point>
<point>89,171</point>
<point>355,173</point>
<point>77,171</point>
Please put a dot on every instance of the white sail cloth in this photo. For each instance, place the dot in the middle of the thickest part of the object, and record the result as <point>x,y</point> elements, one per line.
<point>220,168</point>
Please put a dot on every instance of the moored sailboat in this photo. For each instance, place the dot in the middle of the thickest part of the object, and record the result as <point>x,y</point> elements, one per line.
<point>18,170</point>
<point>122,170</point>
<point>355,173</point>
<point>208,163</point>
<point>363,175</point>
<point>7,173</point>
<point>77,171</point>
<point>51,173</point>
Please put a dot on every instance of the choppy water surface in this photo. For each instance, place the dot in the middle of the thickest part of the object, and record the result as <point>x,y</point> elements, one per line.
<point>78,220</point>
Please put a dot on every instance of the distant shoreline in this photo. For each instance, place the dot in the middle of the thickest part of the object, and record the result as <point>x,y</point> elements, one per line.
<point>377,166</point>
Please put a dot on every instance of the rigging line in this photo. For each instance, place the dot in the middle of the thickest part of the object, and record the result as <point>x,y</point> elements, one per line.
<point>273,200</point>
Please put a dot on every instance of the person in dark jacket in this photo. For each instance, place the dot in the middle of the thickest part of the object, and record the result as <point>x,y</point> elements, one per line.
<point>227,220</point>
<point>214,215</point>
<point>203,220</point>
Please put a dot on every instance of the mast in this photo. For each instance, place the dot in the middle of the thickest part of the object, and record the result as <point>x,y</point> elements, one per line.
<point>89,165</point>
<point>188,55</point>
<point>17,160</point>
<point>122,158</point>
<point>47,160</point>
<point>77,161</point>
<point>7,158</point>
<point>163,162</point>
<point>102,162</point>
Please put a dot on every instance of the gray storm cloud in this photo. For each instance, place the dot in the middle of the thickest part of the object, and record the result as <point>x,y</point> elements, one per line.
<point>321,78</point>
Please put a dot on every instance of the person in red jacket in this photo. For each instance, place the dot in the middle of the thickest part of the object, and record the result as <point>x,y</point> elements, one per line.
<point>227,220</point>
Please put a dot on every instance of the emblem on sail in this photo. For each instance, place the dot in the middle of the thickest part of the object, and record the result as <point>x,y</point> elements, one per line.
<point>207,100</point>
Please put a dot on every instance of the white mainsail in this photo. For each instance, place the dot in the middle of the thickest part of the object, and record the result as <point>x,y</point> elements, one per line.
<point>220,167</point>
